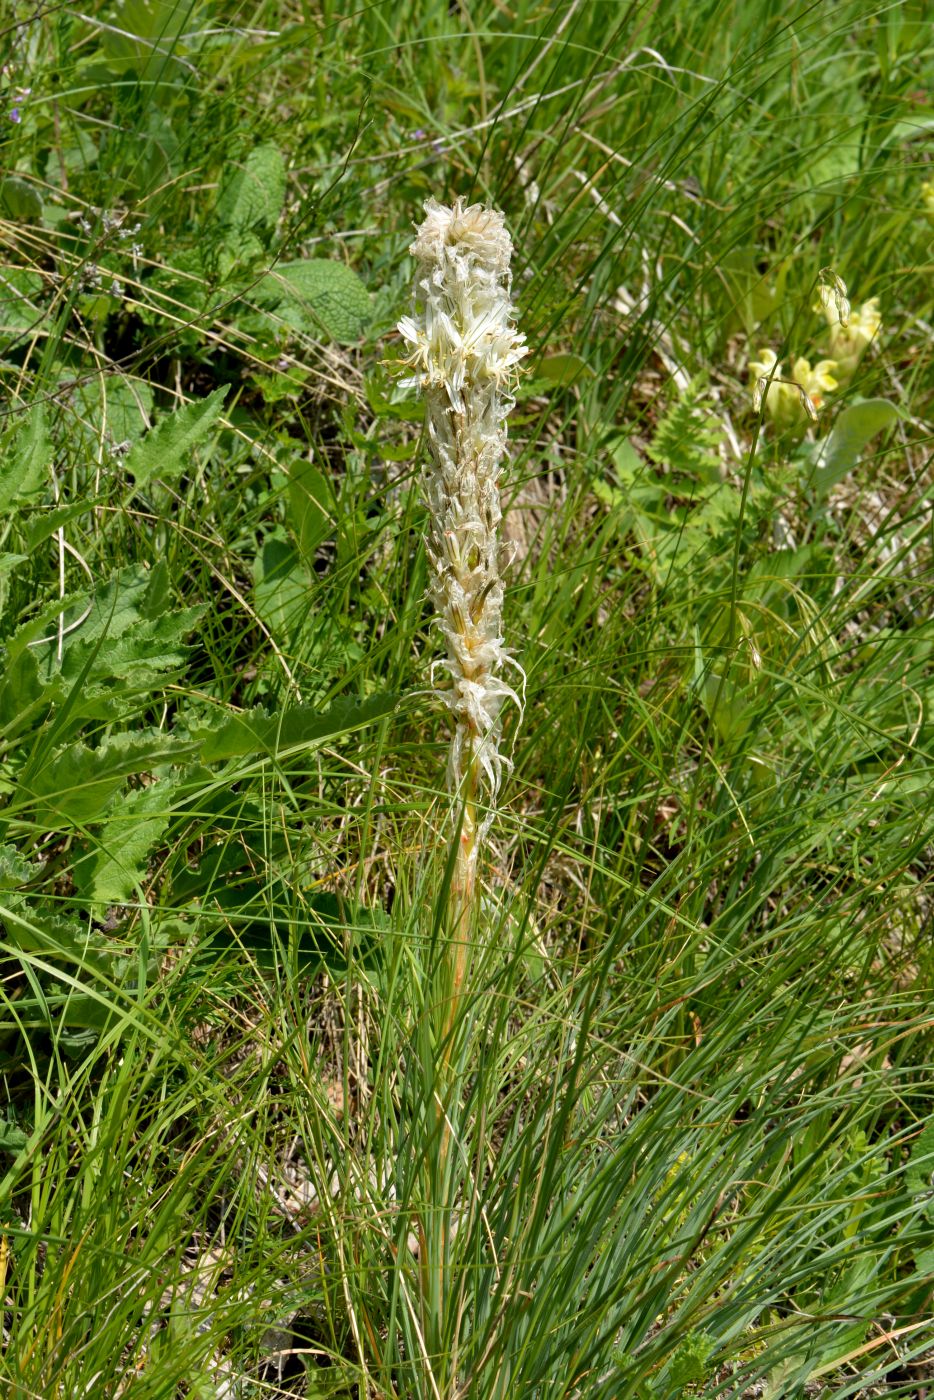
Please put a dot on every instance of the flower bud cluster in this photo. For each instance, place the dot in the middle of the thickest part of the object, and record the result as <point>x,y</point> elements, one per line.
<point>463,351</point>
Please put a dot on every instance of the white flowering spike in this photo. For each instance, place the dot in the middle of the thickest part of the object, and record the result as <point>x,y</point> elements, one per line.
<point>464,351</point>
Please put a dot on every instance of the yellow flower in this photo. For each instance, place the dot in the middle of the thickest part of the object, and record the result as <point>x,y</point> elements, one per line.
<point>927,198</point>
<point>815,382</point>
<point>849,341</point>
<point>783,402</point>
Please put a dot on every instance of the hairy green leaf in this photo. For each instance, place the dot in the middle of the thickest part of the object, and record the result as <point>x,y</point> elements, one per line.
<point>254,193</point>
<point>854,428</point>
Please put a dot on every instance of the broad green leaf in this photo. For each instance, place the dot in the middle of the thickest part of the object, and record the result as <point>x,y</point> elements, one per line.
<point>257,732</point>
<point>19,290</point>
<point>919,1176</point>
<point>23,693</point>
<point>853,429</point>
<point>330,294</point>
<point>149,650</point>
<point>126,645</point>
<point>282,586</point>
<point>626,459</point>
<point>20,200</point>
<point>120,406</point>
<point>44,522</point>
<point>264,915</point>
<point>127,635</point>
<point>147,39</point>
<point>78,154</point>
<point>76,785</point>
<point>119,602</point>
<point>29,929</point>
<point>564,369</point>
<point>23,471</point>
<point>163,451</point>
<point>311,506</point>
<point>12,1138</point>
<point>254,192</point>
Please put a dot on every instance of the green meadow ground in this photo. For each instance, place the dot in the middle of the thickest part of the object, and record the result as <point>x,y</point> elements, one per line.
<point>687,1153</point>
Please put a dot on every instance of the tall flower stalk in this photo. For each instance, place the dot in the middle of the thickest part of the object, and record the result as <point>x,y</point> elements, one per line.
<point>463,349</point>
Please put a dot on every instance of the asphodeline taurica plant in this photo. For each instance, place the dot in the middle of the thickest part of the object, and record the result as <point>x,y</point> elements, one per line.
<point>464,351</point>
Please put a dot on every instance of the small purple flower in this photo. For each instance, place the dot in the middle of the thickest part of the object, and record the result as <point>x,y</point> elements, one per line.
<point>15,115</point>
<point>419,134</point>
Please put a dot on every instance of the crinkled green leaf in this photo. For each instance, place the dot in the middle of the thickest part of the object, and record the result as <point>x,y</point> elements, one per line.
<point>330,295</point>
<point>127,643</point>
<point>257,732</point>
<point>15,869</point>
<point>23,691</point>
<point>81,973</point>
<point>122,846</point>
<point>163,452</point>
<point>76,784</point>
<point>45,521</point>
<point>143,655</point>
<point>29,929</point>
<point>119,602</point>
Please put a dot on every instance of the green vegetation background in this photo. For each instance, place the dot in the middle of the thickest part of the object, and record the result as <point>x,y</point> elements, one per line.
<point>690,1145</point>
